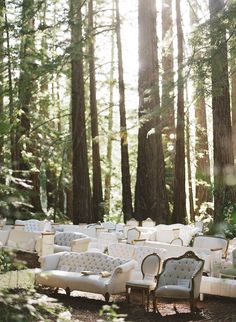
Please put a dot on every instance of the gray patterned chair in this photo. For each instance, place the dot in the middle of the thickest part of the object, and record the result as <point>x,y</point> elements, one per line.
<point>180,279</point>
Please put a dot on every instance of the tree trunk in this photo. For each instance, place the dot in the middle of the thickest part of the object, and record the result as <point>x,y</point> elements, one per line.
<point>179,210</point>
<point>125,169</point>
<point>167,97</point>
<point>108,174</point>
<point>150,191</point>
<point>224,191</point>
<point>10,94</point>
<point>203,180</point>
<point>98,208</point>
<point>233,96</point>
<point>82,203</point>
<point>1,84</point>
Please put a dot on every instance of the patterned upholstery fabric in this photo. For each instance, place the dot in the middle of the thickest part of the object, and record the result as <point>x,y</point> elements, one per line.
<point>120,250</point>
<point>65,238</point>
<point>178,270</point>
<point>89,261</point>
<point>143,251</point>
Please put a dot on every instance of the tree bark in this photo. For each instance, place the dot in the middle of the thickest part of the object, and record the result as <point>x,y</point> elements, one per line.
<point>82,203</point>
<point>150,191</point>
<point>98,208</point>
<point>108,174</point>
<point>125,169</point>
<point>179,210</point>
<point>224,191</point>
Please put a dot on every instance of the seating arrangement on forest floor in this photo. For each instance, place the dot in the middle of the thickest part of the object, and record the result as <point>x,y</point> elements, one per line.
<point>129,243</point>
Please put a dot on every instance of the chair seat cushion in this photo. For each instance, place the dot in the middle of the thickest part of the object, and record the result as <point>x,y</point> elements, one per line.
<point>60,248</point>
<point>142,284</point>
<point>229,271</point>
<point>173,291</point>
<point>92,283</point>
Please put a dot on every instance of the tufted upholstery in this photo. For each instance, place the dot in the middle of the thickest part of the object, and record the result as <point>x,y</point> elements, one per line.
<point>34,225</point>
<point>65,238</point>
<point>70,241</point>
<point>76,262</point>
<point>121,250</point>
<point>180,278</point>
<point>65,270</point>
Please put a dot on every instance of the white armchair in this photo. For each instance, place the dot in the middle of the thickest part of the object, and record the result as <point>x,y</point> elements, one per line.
<point>70,241</point>
<point>180,279</point>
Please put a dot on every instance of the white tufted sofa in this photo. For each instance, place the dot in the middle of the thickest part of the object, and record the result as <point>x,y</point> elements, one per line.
<point>34,225</point>
<point>65,270</point>
<point>70,241</point>
<point>136,253</point>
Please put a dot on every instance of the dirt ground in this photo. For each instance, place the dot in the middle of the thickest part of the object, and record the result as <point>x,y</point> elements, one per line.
<point>85,307</point>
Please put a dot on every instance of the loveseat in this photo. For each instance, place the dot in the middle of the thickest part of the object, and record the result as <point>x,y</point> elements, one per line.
<point>31,242</point>
<point>70,241</point>
<point>92,272</point>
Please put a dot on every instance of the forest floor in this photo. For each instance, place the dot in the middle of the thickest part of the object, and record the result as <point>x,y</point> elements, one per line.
<point>85,307</point>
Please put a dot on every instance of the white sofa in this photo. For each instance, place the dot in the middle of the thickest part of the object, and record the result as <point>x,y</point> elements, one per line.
<point>135,252</point>
<point>33,225</point>
<point>168,233</point>
<point>70,241</point>
<point>70,271</point>
<point>40,243</point>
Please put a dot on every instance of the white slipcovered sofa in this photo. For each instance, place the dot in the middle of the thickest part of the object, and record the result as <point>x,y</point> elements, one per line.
<point>20,240</point>
<point>92,272</point>
<point>32,242</point>
<point>70,241</point>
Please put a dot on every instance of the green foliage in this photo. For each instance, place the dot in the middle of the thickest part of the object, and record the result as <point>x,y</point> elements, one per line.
<point>8,261</point>
<point>109,314</point>
<point>226,228</point>
<point>26,305</point>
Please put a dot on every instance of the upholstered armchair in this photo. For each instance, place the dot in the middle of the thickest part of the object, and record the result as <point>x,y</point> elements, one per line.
<point>71,241</point>
<point>180,279</point>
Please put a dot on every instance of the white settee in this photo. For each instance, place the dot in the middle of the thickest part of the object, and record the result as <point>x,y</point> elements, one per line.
<point>92,272</point>
<point>70,241</point>
<point>32,242</point>
<point>135,252</point>
<point>20,240</point>
<point>33,225</point>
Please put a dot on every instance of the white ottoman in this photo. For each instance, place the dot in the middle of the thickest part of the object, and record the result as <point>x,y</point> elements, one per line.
<point>217,286</point>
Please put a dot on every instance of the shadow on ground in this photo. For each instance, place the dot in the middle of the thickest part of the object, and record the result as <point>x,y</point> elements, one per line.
<point>85,307</point>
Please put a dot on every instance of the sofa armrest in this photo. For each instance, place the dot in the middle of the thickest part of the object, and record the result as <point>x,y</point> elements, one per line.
<point>80,244</point>
<point>50,261</point>
<point>124,268</point>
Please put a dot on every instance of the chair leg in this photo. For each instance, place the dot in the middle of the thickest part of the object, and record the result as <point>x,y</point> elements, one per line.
<point>143,297</point>
<point>154,301</point>
<point>193,303</point>
<point>68,291</point>
<point>107,297</point>
<point>127,294</point>
<point>147,300</point>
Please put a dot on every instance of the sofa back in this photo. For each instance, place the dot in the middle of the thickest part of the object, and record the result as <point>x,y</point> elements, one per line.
<point>88,261</point>
<point>65,238</point>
